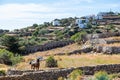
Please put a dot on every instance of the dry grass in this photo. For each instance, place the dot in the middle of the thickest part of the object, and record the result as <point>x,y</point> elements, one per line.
<point>65,49</point>
<point>30,57</point>
<point>4,67</point>
<point>87,60</point>
<point>111,45</point>
<point>116,44</point>
<point>65,61</point>
<point>70,61</point>
<point>78,60</point>
<point>113,38</point>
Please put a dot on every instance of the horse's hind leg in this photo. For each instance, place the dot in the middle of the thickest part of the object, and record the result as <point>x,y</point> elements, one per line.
<point>38,68</point>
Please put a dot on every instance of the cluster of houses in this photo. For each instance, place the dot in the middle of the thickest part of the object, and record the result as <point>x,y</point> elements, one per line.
<point>108,18</point>
<point>102,18</point>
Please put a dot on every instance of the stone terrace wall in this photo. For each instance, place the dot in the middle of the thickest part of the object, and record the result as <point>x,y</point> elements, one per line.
<point>48,46</point>
<point>79,51</point>
<point>103,41</point>
<point>108,49</point>
<point>102,35</point>
<point>55,74</point>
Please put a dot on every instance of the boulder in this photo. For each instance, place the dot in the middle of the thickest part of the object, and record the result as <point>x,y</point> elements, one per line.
<point>107,49</point>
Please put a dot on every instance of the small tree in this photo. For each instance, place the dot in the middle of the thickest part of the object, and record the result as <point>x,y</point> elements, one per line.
<point>51,62</point>
<point>89,26</point>
<point>35,33</point>
<point>35,25</point>
<point>11,42</point>
<point>78,37</point>
<point>9,58</point>
<point>43,32</point>
<point>109,27</point>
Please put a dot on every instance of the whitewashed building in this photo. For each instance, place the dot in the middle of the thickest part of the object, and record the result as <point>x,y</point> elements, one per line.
<point>56,22</point>
<point>81,23</point>
<point>100,15</point>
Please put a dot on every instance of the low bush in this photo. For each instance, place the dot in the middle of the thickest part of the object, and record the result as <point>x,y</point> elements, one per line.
<point>78,36</point>
<point>51,62</point>
<point>101,75</point>
<point>76,75</point>
<point>9,58</point>
<point>16,59</point>
<point>98,31</point>
<point>115,75</point>
<point>2,73</point>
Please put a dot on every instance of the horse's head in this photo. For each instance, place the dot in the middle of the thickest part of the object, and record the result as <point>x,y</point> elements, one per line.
<point>40,58</point>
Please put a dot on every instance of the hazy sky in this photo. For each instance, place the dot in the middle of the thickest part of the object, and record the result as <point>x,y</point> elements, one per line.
<point>22,13</point>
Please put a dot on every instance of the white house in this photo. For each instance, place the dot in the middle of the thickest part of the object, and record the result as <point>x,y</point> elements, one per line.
<point>81,23</point>
<point>56,22</point>
<point>100,15</point>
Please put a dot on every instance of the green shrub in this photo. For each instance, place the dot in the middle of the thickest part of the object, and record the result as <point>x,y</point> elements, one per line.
<point>78,36</point>
<point>76,75</point>
<point>2,73</point>
<point>16,59</point>
<point>89,31</point>
<point>89,26</point>
<point>8,57</point>
<point>114,30</point>
<point>61,78</point>
<point>51,62</point>
<point>43,39</point>
<point>109,27</point>
<point>11,43</point>
<point>112,76</point>
<point>98,31</point>
<point>101,75</point>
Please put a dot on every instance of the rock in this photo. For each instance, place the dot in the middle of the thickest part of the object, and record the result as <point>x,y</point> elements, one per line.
<point>107,50</point>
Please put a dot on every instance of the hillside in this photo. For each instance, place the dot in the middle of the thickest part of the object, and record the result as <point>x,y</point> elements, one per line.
<point>70,44</point>
<point>61,54</point>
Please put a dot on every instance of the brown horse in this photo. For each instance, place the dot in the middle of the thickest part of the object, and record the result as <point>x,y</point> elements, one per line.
<point>35,64</point>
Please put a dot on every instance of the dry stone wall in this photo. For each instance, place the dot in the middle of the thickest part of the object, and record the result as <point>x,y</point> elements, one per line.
<point>102,35</point>
<point>48,46</point>
<point>105,41</point>
<point>55,74</point>
<point>108,49</point>
<point>79,51</point>
<point>97,39</point>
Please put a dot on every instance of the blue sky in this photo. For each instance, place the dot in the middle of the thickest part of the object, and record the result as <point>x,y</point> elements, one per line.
<point>16,14</point>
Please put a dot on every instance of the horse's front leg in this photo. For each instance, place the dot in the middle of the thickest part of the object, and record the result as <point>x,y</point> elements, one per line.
<point>37,67</point>
<point>31,67</point>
